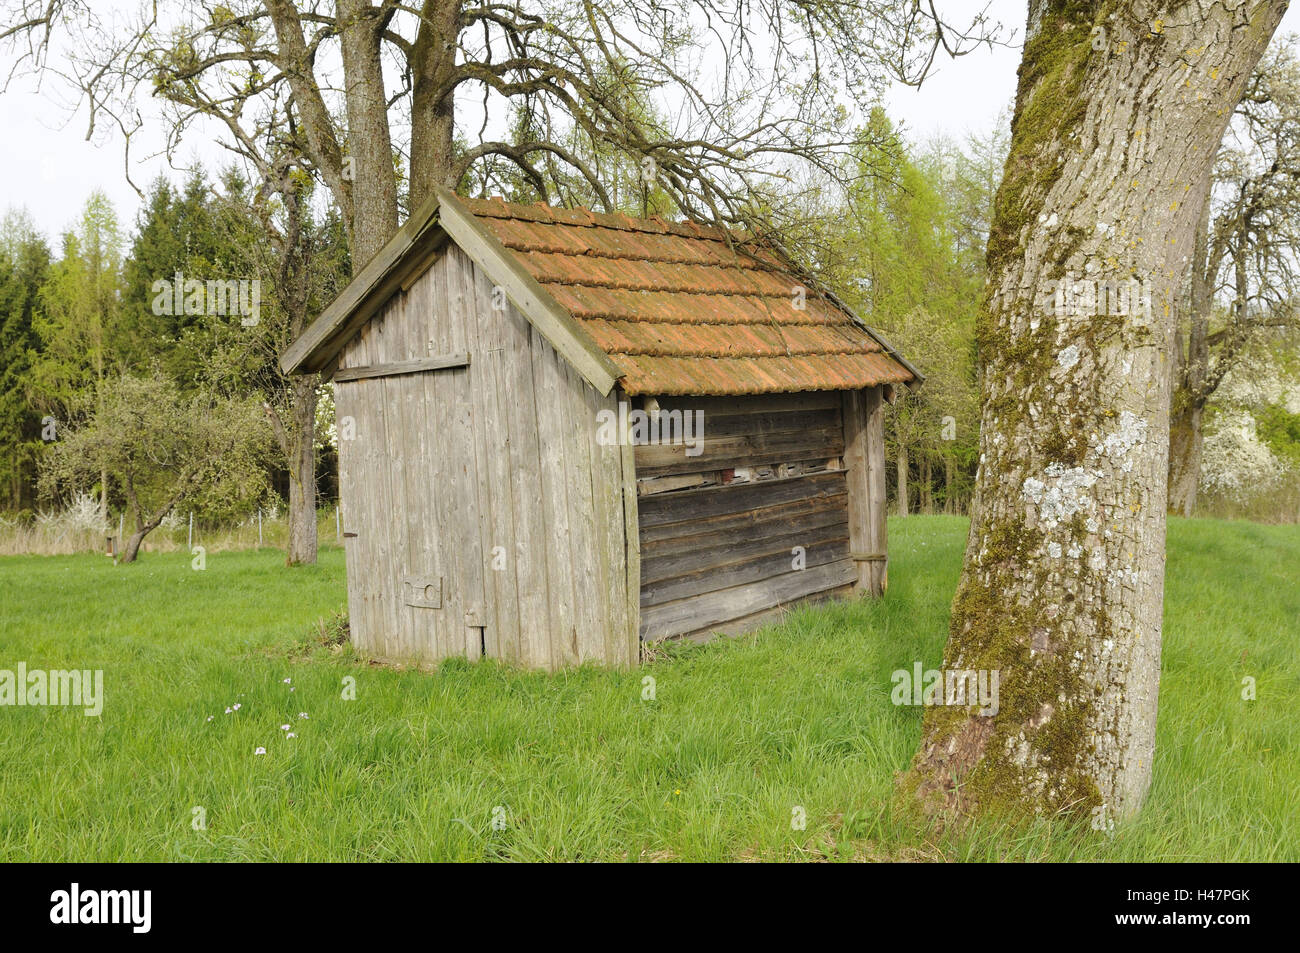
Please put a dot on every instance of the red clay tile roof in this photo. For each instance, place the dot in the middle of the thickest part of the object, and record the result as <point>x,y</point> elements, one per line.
<point>679,311</point>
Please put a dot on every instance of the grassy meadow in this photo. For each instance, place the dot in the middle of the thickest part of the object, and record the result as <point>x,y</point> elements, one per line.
<point>482,762</point>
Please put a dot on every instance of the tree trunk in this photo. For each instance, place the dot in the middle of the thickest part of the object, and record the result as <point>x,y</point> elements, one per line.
<point>137,537</point>
<point>103,496</point>
<point>949,485</point>
<point>1185,439</point>
<point>433,69</point>
<point>133,545</point>
<point>1191,367</point>
<point>1062,588</point>
<point>374,196</point>
<point>301,454</point>
<point>902,478</point>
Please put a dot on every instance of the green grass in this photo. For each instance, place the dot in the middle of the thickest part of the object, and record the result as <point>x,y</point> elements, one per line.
<point>741,732</point>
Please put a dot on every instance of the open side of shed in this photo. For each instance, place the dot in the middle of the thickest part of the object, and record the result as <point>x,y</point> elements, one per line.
<point>482,362</point>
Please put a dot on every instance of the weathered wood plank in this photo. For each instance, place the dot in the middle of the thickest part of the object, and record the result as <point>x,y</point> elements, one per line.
<point>769,566</point>
<point>756,404</point>
<point>715,551</point>
<point>736,498</point>
<point>529,555</point>
<point>721,606</point>
<point>589,611</point>
<point>466,532</point>
<point>401,442</point>
<point>767,422</point>
<point>351,509</point>
<point>607,540</point>
<point>675,538</point>
<point>386,459</point>
<point>403,367</point>
<point>740,450</point>
<point>487,335</point>
<point>632,542</point>
<point>421,410</point>
<point>444,630</point>
<point>877,535</point>
<point>857,466</point>
<point>763,617</point>
<point>558,542</point>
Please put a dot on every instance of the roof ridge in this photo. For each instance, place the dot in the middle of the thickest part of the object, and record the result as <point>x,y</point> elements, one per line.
<point>544,214</point>
<point>750,264</point>
<point>704,319</point>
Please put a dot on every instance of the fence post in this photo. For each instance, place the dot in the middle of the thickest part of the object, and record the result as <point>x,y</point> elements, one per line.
<point>337,528</point>
<point>189,539</point>
<point>259,529</point>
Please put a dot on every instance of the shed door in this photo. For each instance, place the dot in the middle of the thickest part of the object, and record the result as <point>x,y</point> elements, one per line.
<point>441,489</point>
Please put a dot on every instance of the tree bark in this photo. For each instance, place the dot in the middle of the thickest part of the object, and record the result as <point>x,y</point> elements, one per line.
<point>1185,441</point>
<point>1062,588</point>
<point>302,476</point>
<point>433,72</point>
<point>370,142</point>
<point>103,496</point>
<point>297,443</point>
<point>144,527</point>
<point>133,545</point>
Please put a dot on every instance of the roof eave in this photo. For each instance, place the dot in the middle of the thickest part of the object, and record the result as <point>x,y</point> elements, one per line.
<point>917,377</point>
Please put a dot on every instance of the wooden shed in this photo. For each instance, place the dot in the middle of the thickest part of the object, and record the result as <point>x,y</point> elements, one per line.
<point>563,433</point>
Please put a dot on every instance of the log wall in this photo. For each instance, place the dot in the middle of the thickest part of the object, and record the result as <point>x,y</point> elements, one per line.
<point>722,556</point>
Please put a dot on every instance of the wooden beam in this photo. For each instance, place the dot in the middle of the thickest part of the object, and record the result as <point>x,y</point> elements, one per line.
<point>632,542</point>
<point>877,542</point>
<point>402,367</point>
<point>533,301</point>
<point>415,272</point>
<point>722,606</point>
<point>864,459</point>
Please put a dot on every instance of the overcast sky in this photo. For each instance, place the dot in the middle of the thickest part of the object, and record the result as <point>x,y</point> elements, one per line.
<point>47,165</point>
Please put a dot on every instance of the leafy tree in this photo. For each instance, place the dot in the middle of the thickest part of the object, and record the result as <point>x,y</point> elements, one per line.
<point>175,235</point>
<point>300,256</point>
<point>899,263</point>
<point>163,449</point>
